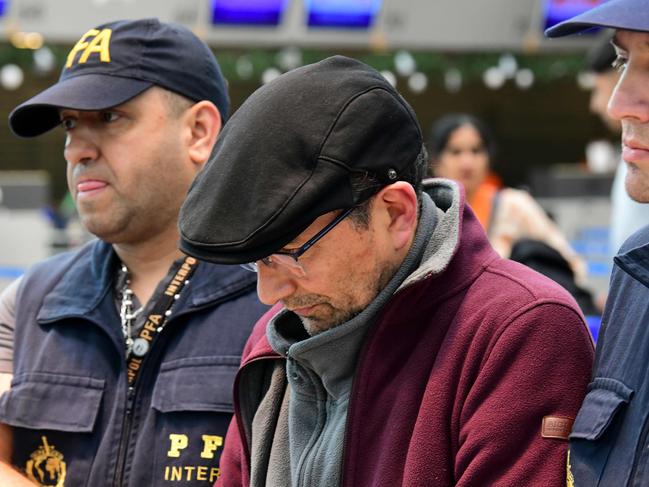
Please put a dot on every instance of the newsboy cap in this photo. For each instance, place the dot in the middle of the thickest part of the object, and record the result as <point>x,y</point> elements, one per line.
<point>288,154</point>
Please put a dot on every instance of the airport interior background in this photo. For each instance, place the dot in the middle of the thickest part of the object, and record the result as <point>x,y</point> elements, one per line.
<point>486,58</point>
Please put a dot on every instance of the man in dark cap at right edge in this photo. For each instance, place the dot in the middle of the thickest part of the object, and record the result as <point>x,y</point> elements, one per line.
<point>609,443</point>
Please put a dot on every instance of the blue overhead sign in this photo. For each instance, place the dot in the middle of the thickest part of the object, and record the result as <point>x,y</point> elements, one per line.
<point>248,12</point>
<point>358,14</point>
<point>559,10</point>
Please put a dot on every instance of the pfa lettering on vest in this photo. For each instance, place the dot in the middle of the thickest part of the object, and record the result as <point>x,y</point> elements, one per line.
<point>179,442</point>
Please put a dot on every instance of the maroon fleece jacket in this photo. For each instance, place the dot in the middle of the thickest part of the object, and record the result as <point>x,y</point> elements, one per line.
<point>453,381</point>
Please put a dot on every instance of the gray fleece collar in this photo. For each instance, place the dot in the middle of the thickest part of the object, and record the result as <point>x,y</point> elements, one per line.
<point>445,239</point>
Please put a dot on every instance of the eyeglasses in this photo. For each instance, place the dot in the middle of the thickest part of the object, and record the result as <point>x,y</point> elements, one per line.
<point>289,258</point>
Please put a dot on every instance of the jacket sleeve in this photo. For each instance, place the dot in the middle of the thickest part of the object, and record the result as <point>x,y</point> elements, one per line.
<point>7,325</point>
<point>231,470</point>
<point>537,366</point>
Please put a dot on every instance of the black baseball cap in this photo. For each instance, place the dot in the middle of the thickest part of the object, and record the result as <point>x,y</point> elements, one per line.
<point>614,14</point>
<point>287,156</point>
<point>117,61</point>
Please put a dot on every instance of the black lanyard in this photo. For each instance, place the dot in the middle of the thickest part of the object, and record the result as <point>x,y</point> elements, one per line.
<point>157,318</point>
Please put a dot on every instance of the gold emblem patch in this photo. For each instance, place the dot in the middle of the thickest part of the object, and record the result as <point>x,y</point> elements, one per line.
<point>46,466</point>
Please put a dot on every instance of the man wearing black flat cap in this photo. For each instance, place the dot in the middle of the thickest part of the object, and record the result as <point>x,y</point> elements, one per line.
<point>402,350</point>
<point>115,342</point>
<point>609,444</point>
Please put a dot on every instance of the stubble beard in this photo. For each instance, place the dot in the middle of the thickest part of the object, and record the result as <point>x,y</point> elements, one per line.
<point>107,224</point>
<point>338,316</point>
<point>637,183</point>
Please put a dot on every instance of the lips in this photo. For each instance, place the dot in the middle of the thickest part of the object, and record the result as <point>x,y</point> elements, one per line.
<point>90,186</point>
<point>634,151</point>
<point>306,311</point>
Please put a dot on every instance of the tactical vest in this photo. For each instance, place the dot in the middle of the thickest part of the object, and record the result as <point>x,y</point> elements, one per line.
<point>75,421</point>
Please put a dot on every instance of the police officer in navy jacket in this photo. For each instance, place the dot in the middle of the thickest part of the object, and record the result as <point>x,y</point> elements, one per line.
<point>609,443</point>
<point>125,350</point>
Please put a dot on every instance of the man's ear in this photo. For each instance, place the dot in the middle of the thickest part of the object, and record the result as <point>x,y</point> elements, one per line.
<point>399,204</point>
<point>204,122</point>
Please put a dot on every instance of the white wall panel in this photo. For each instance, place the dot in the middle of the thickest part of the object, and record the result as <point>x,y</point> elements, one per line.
<point>413,24</point>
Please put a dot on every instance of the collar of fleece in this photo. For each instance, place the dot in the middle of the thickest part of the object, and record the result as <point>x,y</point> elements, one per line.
<point>443,244</point>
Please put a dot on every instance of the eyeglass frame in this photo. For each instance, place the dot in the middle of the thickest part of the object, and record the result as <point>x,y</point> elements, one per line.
<point>295,254</point>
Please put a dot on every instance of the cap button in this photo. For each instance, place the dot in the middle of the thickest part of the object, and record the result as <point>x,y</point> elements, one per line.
<point>392,174</point>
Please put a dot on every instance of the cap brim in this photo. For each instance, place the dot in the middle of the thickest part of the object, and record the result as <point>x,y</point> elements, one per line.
<point>91,91</point>
<point>614,14</point>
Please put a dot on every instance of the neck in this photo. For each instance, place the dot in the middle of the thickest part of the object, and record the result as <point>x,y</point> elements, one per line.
<point>148,262</point>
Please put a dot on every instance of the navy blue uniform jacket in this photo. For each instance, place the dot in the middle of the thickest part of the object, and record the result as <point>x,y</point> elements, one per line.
<point>75,422</point>
<point>609,444</point>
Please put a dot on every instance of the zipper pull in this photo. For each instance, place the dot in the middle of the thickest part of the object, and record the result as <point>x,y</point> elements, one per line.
<point>130,397</point>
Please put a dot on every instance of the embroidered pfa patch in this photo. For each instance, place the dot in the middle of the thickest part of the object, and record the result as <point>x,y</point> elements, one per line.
<point>46,466</point>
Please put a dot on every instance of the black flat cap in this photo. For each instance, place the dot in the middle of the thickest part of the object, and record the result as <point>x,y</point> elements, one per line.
<point>614,14</point>
<point>286,157</point>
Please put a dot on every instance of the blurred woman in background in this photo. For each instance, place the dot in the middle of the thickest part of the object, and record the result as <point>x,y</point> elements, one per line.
<point>462,149</point>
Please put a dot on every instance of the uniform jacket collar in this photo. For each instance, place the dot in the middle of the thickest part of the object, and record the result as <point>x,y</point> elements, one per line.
<point>88,282</point>
<point>635,262</point>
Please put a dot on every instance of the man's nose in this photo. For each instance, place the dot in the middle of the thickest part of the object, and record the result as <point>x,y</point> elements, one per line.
<point>630,99</point>
<point>274,285</point>
<point>80,147</point>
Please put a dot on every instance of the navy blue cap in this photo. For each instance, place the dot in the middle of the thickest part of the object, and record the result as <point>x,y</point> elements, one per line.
<point>117,61</point>
<point>614,14</point>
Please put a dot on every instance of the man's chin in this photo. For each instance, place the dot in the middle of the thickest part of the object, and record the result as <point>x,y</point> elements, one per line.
<point>635,184</point>
<point>315,326</point>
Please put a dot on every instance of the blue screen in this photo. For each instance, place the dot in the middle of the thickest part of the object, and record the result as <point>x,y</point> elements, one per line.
<point>559,10</point>
<point>3,6</point>
<point>358,14</point>
<point>248,12</point>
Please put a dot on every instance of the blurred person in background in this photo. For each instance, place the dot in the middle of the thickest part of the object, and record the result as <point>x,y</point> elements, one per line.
<point>609,442</point>
<point>627,215</point>
<point>124,351</point>
<point>462,148</point>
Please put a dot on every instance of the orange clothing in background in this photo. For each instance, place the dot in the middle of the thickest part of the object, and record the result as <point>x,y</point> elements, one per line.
<point>508,215</point>
<point>482,201</point>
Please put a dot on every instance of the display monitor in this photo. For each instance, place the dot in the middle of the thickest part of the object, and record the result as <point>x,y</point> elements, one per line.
<point>354,14</point>
<point>559,10</point>
<point>248,12</point>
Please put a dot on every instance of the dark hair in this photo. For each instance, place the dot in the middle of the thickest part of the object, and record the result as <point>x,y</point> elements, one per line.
<point>444,127</point>
<point>366,183</point>
<point>600,57</point>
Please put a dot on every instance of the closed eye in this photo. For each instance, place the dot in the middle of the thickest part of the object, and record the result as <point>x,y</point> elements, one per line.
<point>109,116</point>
